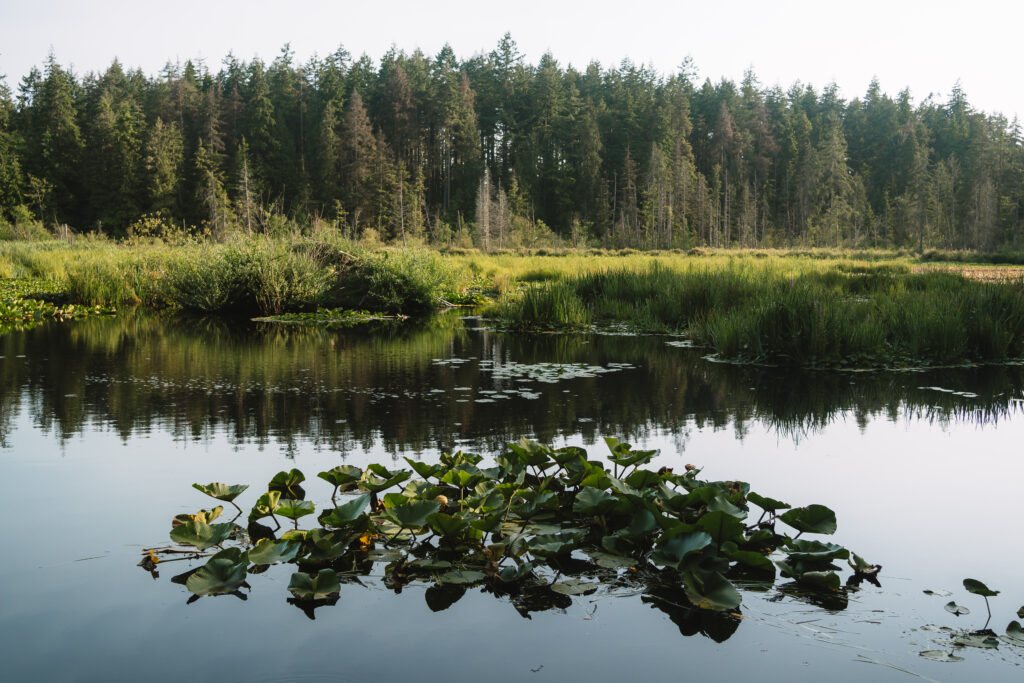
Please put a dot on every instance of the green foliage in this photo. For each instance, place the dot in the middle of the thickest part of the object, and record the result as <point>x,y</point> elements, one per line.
<point>525,523</point>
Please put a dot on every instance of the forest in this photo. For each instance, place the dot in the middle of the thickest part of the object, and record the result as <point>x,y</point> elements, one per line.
<point>495,153</point>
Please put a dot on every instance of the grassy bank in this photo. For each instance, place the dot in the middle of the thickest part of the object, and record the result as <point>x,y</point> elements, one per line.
<point>807,308</point>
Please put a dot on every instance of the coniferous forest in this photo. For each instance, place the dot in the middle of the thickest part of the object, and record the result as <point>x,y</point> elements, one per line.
<point>495,152</point>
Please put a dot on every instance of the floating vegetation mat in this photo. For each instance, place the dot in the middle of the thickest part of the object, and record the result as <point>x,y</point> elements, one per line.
<point>25,303</point>
<point>539,526</point>
<point>330,317</point>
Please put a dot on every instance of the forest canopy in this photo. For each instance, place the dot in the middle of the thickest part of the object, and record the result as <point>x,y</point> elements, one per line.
<point>496,152</point>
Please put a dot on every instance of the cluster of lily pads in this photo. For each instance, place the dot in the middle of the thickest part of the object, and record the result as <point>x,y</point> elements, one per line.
<point>983,638</point>
<point>27,302</point>
<point>330,318</point>
<point>539,521</point>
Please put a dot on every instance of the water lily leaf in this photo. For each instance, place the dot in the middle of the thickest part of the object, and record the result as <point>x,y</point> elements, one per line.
<point>463,476</point>
<point>978,588</point>
<point>574,587</point>
<point>979,640</point>
<point>271,552</point>
<point>720,504</point>
<point>1020,613</point>
<point>623,454</point>
<point>940,656</point>
<point>288,484</point>
<point>514,572</point>
<point>200,535</point>
<point>461,576</point>
<point>341,475</point>
<point>348,512</point>
<point>412,515</point>
<point>956,609</point>
<point>1014,633</point>
<point>721,526</point>
<point>672,552</point>
<point>861,566</point>
<point>328,545</point>
<point>223,573</point>
<point>938,593</point>
<point>822,581</point>
<point>813,519</point>
<point>804,549</point>
<point>768,504</point>
<point>428,564</point>
<point>753,560</point>
<point>221,491</point>
<point>305,587</point>
<point>446,525</point>
<point>552,544</point>
<point>294,509</point>
<point>710,590</point>
<point>423,469</point>
<point>609,561</point>
<point>265,506</point>
<point>376,484</point>
<point>201,516</point>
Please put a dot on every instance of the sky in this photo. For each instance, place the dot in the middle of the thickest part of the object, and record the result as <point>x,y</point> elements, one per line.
<point>924,46</point>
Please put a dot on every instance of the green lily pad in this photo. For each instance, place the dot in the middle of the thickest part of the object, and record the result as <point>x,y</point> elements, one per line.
<point>710,590</point>
<point>347,512</point>
<point>206,516</point>
<point>955,609</point>
<point>813,519</point>
<point>819,580</point>
<point>200,535</point>
<point>574,587</point>
<point>978,588</point>
<point>376,484</point>
<point>721,526</point>
<point>940,656</point>
<point>412,515</point>
<point>461,576</point>
<point>305,587</point>
<point>1014,634</point>
<point>341,475</point>
<point>221,491</point>
<point>223,573</point>
<point>609,561</point>
<point>446,526</point>
<point>265,506</point>
<point>672,552</point>
<point>267,551</point>
<point>979,640</point>
<point>768,504</point>
<point>1020,613</point>
<point>295,509</point>
<point>804,549</point>
<point>288,484</point>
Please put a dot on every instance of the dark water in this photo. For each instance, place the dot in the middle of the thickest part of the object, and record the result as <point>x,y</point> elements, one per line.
<point>105,423</point>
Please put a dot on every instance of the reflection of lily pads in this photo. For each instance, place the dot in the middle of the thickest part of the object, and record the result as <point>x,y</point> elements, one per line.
<point>940,656</point>
<point>574,587</point>
<point>937,593</point>
<point>325,584</point>
<point>201,535</point>
<point>223,573</point>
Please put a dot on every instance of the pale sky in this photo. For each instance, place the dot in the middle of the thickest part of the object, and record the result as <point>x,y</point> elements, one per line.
<point>926,46</point>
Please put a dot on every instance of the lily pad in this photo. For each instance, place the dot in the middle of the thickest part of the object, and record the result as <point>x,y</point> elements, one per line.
<point>813,519</point>
<point>223,573</point>
<point>265,506</point>
<point>978,588</point>
<point>201,535</point>
<point>412,515</point>
<point>294,509</point>
<point>955,609</point>
<point>288,484</point>
<point>765,503</point>
<point>979,640</point>
<point>609,561</point>
<point>1014,634</point>
<point>461,577</point>
<point>710,590</point>
<point>347,512</point>
<point>574,587</point>
<point>940,656</point>
<point>221,491</point>
<point>272,552</point>
<point>673,551</point>
<point>341,475</point>
<point>305,587</point>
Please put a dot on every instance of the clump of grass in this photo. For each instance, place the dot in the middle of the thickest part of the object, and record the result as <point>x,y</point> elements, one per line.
<point>408,282</point>
<point>555,306</point>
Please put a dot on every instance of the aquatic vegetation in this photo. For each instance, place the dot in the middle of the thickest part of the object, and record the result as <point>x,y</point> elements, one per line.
<point>28,302</point>
<point>539,520</point>
<point>330,318</point>
<point>983,638</point>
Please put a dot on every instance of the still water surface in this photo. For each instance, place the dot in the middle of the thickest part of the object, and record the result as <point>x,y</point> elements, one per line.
<point>106,423</point>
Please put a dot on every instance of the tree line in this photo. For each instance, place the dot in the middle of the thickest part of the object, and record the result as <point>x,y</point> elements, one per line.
<point>500,153</point>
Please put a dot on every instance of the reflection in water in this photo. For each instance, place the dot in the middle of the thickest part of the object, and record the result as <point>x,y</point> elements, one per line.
<point>396,386</point>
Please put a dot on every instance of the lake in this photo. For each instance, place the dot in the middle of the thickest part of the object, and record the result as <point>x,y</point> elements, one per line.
<point>105,423</point>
